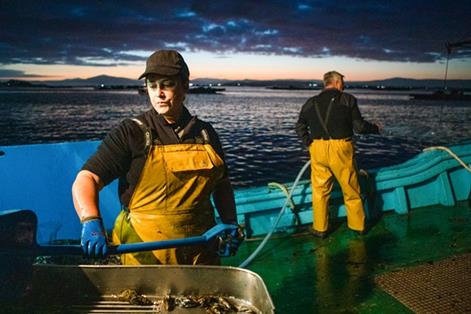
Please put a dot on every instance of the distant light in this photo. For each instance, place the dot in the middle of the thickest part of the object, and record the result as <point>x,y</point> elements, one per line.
<point>219,84</point>
<point>102,85</point>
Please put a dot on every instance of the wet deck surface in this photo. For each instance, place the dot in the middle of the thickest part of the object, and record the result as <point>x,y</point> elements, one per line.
<point>336,275</point>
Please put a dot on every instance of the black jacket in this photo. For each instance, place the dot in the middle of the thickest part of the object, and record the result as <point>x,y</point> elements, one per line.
<point>343,119</point>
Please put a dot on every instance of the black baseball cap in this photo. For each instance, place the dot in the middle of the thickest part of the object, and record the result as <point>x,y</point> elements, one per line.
<point>166,62</point>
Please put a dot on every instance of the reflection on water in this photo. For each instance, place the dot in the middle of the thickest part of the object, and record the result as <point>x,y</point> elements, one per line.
<point>256,125</point>
<point>344,275</point>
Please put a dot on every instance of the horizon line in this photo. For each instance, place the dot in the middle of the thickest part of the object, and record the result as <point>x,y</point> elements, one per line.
<point>225,79</point>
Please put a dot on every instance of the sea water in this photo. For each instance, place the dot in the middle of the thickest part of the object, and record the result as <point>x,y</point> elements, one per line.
<point>255,125</point>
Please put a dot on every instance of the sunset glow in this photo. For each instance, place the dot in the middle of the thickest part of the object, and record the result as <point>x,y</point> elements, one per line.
<point>234,40</point>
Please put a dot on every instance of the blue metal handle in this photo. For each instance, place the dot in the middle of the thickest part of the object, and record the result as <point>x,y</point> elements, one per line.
<point>158,245</point>
<point>217,230</point>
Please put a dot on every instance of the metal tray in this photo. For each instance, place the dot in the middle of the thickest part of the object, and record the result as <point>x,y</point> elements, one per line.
<point>94,288</point>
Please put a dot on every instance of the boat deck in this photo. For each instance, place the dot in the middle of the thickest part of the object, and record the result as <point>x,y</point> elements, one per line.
<point>304,274</point>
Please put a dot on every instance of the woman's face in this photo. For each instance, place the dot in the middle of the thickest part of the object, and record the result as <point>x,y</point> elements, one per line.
<point>166,94</point>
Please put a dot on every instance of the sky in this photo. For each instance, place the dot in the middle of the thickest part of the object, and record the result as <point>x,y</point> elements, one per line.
<point>235,39</point>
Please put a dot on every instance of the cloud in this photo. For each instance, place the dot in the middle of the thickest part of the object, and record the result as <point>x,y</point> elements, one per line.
<point>7,73</point>
<point>101,33</point>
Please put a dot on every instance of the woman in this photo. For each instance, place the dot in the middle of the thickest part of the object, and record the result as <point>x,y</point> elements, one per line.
<point>169,164</point>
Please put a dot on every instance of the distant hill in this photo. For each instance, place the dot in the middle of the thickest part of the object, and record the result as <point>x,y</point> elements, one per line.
<point>17,83</point>
<point>96,81</point>
<point>207,81</point>
<point>108,81</point>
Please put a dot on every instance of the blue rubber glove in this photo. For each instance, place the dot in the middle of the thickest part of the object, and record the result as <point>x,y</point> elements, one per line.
<point>94,243</point>
<point>231,242</point>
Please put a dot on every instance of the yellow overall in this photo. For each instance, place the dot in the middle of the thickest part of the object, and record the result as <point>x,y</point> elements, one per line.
<point>172,200</point>
<point>331,158</point>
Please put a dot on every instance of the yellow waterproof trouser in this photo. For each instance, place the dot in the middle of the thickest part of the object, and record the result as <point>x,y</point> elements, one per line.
<point>331,158</point>
<point>172,201</point>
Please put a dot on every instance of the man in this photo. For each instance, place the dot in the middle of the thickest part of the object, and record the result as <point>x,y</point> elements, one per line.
<point>168,163</point>
<point>326,125</point>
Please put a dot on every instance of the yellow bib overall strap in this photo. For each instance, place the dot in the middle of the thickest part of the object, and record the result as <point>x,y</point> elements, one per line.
<point>170,201</point>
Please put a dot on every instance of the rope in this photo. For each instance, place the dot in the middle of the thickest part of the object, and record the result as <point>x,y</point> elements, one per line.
<point>267,237</point>
<point>284,189</point>
<point>449,152</point>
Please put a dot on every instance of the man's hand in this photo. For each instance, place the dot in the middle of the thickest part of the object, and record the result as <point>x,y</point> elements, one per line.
<point>94,243</point>
<point>380,126</point>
